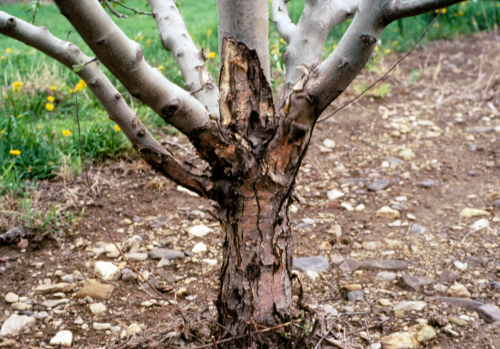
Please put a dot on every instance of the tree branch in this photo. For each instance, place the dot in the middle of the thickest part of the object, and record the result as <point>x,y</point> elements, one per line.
<point>306,45</point>
<point>113,11</point>
<point>70,55</point>
<point>397,9</point>
<point>124,58</point>
<point>248,22</point>
<point>175,38</point>
<point>284,25</point>
<point>356,47</point>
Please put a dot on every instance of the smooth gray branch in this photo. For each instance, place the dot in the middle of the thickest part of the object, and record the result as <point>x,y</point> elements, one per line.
<point>306,45</point>
<point>284,25</point>
<point>70,55</point>
<point>125,59</point>
<point>397,9</point>
<point>175,38</point>
<point>246,21</point>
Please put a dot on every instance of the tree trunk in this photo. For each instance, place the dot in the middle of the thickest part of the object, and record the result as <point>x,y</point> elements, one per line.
<point>257,164</point>
<point>255,276</point>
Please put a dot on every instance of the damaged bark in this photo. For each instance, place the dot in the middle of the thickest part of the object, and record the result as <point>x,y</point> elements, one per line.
<point>258,163</point>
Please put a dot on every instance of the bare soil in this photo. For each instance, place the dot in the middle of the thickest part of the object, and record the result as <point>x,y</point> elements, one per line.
<point>443,106</point>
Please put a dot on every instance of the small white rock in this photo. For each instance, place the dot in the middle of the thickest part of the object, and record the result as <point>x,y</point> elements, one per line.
<point>199,230</point>
<point>199,247</point>
<point>107,270</point>
<point>97,308</point>
<point>335,194</point>
<point>63,338</point>
<point>11,298</point>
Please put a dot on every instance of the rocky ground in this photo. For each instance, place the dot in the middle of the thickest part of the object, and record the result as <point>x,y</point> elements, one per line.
<point>398,202</point>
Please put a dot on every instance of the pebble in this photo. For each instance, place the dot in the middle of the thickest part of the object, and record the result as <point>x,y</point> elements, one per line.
<point>349,265</point>
<point>407,154</point>
<point>78,321</point>
<point>101,326</point>
<point>159,253</point>
<point>95,290</point>
<point>379,184</point>
<point>16,324</point>
<point>387,213</point>
<point>460,266</point>
<point>112,251</point>
<point>385,264</point>
<point>426,184</point>
<point>355,295</point>
<point>458,291</point>
<point>59,287</point>
<point>480,224</point>
<point>449,276</point>
<point>337,259</point>
<point>457,321</point>
<point>125,222</point>
<point>199,230</point>
<point>164,262</point>
<point>440,288</point>
<point>21,306</point>
<point>42,315</point>
<point>410,305</point>
<point>11,298</point>
<point>128,275</point>
<point>473,212</point>
<point>386,276</point>
<point>489,313</point>
<point>107,270</point>
<point>414,283</point>
<point>417,229</point>
<point>315,263</point>
<point>52,303</point>
<point>199,247</point>
<point>136,256</point>
<point>62,338</point>
<point>334,194</point>
<point>371,245</point>
<point>97,308</point>
<point>135,243</point>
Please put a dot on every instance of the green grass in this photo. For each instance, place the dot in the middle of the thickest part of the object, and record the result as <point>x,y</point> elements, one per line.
<point>28,127</point>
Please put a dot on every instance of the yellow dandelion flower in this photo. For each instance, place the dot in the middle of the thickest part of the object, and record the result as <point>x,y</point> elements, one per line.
<point>16,85</point>
<point>50,99</point>
<point>281,40</point>
<point>444,10</point>
<point>209,32</point>
<point>395,43</point>
<point>8,50</point>
<point>15,152</point>
<point>211,55</point>
<point>136,38</point>
<point>30,169</point>
<point>387,51</point>
<point>461,13</point>
<point>437,25</point>
<point>49,106</point>
<point>66,133</point>
<point>117,128</point>
<point>334,47</point>
<point>377,48</point>
<point>81,84</point>
<point>50,163</point>
<point>72,90</point>
<point>40,127</point>
<point>160,67</point>
<point>141,38</point>
<point>53,88</point>
<point>2,58</point>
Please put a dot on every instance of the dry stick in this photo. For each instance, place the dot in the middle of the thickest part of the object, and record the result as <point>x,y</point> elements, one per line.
<point>181,311</point>
<point>387,73</point>
<point>367,332</point>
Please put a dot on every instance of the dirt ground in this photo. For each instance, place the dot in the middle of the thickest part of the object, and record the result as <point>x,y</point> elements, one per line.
<point>439,123</point>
